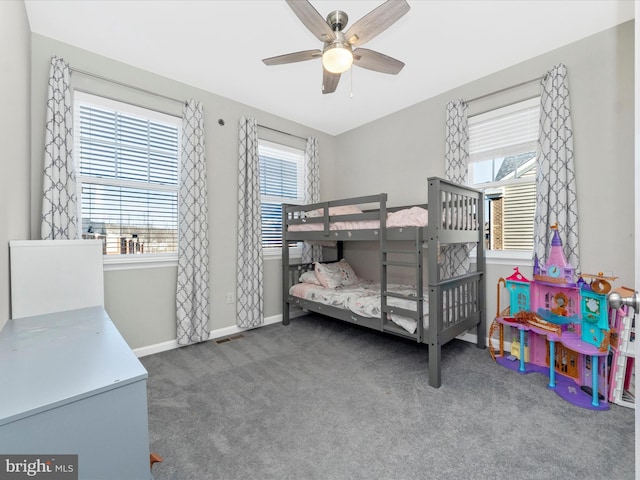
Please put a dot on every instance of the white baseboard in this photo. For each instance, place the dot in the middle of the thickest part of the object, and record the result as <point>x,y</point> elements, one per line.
<point>233,330</point>
<point>218,333</point>
<point>468,337</point>
<point>472,338</point>
<point>156,348</point>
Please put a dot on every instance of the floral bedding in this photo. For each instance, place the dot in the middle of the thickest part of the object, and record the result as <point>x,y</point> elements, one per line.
<point>363,298</point>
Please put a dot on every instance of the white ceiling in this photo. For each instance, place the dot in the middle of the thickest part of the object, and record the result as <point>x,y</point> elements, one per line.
<point>218,46</point>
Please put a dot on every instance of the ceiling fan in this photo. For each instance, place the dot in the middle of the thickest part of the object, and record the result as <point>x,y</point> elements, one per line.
<point>338,53</point>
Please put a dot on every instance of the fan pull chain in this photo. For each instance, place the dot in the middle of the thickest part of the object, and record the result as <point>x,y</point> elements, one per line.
<point>351,78</point>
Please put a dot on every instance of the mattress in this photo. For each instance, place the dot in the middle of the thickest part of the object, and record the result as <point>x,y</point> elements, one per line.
<point>363,299</point>
<point>408,217</point>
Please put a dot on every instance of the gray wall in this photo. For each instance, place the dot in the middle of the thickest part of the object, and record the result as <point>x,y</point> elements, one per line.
<point>396,154</point>
<point>14,137</point>
<point>141,302</point>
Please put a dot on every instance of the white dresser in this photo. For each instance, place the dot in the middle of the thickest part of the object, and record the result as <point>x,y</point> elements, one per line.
<point>55,275</point>
<point>70,384</point>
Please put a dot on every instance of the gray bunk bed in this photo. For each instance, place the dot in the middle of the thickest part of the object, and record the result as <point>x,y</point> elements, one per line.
<point>455,301</point>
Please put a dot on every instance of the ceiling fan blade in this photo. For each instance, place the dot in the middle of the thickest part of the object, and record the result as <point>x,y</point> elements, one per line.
<point>312,20</point>
<point>329,81</point>
<point>293,57</point>
<point>378,62</point>
<point>376,21</point>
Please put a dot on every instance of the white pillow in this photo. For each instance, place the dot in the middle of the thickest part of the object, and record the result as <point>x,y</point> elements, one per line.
<point>310,277</point>
<point>333,275</point>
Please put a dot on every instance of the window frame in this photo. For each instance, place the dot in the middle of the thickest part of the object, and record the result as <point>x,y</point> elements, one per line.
<point>504,255</point>
<point>288,153</point>
<point>127,261</point>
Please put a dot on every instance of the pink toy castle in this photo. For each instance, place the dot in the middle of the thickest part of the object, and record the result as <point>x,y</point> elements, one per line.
<point>562,330</point>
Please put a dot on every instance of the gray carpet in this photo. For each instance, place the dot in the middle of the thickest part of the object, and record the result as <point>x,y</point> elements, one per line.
<point>320,399</point>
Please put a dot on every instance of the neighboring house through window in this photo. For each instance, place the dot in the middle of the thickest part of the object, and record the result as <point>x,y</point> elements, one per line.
<point>281,181</point>
<point>127,160</point>
<point>502,163</point>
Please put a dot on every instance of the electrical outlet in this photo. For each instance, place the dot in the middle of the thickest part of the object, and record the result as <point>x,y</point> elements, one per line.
<point>229,297</point>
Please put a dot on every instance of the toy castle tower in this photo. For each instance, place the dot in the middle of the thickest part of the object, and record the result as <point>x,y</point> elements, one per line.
<point>554,294</point>
<point>557,269</point>
<point>518,288</point>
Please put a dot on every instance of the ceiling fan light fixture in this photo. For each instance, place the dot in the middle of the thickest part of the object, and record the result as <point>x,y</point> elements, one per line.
<point>337,58</point>
<point>338,45</point>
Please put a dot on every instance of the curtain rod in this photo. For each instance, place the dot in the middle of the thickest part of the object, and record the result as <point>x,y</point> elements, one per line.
<point>504,89</point>
<point>127,85</point>
<point>280,131</point>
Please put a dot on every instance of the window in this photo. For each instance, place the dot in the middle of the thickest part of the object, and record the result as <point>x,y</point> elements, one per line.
<point>281,181</point>
<point>127,161</point>
<point>502,163</point>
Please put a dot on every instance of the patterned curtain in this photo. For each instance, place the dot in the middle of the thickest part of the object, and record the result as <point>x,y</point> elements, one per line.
<point>59,207</point>
<point>249,288</point>
<point>457,142</point>
<point>312,253</point>
<point>192,294</point>
<point>455,258</point>
<point>556,199</point>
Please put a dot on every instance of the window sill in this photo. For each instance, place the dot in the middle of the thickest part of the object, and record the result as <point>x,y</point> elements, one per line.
<point>506,257</point>
<point>275,253</point>
<point>131,262</point>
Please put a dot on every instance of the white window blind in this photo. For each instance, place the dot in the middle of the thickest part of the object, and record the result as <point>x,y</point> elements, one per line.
<point>281,181</point>
<point>505,131</point>
<point>127,160</point>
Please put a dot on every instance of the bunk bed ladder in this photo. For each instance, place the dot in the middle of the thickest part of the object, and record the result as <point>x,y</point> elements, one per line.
<point>412,259</point>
